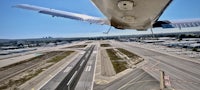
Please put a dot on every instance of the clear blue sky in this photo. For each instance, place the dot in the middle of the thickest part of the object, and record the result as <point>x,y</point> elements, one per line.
<point>19,23</point>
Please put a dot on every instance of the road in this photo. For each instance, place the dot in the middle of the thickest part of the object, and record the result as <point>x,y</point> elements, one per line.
<point>183,74</point>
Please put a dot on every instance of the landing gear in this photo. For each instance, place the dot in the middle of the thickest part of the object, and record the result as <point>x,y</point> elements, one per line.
<point>108,30</point>
<point>153,36</point>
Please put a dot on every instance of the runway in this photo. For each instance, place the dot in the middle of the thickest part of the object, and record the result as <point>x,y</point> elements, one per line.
<point>67,78</point>
<point>87,77</point>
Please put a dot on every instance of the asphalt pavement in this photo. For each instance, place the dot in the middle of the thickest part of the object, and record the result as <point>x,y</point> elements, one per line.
<point>183,74</point>
<point>67,78</point>
<point>87,77</point>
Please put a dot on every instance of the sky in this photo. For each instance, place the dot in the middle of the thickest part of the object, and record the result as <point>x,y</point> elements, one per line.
<point>18,23</point>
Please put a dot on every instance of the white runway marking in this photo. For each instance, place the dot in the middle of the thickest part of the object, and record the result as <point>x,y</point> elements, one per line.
<point>88,68</point>
<point>67,69</point>
<point>94,52</point>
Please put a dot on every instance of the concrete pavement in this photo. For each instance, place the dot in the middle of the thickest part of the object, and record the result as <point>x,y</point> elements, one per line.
<point>184,75</point>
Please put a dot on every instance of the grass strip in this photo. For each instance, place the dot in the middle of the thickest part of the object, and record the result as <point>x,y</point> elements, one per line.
<point>77,46</point>
<point>129,54</point>
<point>118,65</point>
<point>105,45</point>
<point>112,54</point>
<point>135,57</point>
<point>21,62</point>
<point>40,57</point>
<point>60,57</point>
<point>22,80</point>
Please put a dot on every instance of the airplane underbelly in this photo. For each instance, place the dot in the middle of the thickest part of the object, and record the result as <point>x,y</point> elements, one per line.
<point>132,14</point>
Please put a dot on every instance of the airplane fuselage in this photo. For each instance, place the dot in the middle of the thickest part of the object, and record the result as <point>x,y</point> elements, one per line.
<point>132,14</point>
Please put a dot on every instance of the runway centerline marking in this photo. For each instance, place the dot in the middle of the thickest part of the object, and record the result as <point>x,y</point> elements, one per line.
<point>67,69</point>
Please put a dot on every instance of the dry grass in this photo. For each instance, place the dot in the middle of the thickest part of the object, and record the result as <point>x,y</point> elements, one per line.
<point>137,59</point>
<point>112,54</point>
<point>77,46</point>
<point>105,45</point>
<point>60,57</point>
<point>37,58</point>
<point>129,54</point>
<point>22,80</point>
<point>119,66</point>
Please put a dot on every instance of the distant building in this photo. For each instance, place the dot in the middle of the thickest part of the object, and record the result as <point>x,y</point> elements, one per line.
<point>191,39</point>
<point>51,44</point>
<point>8,47</point>
<point>196,45</point>
<point>152,41</point>
<point>183,44</point>
<point>166,38</point>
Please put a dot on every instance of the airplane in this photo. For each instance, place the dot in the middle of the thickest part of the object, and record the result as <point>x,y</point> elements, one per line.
<point>123,14</point>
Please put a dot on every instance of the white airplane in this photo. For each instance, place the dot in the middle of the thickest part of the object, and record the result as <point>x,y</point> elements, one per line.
<point>123,14</point>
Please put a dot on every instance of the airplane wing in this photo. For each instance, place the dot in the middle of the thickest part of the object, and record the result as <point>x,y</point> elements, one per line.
<point>178,23</point>
<point>65,14</point>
